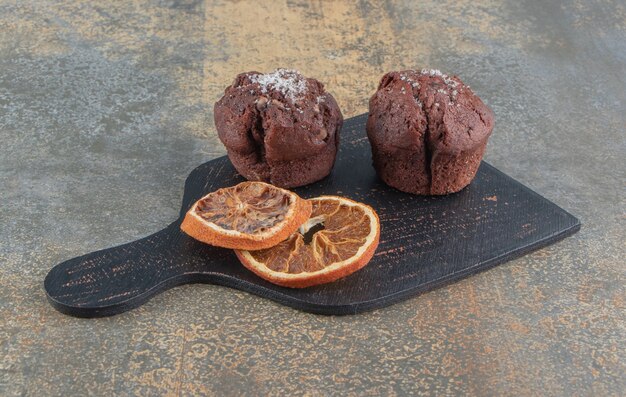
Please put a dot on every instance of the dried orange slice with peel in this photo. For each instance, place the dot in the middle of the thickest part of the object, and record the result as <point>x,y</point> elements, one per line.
<point>250,216</point>
<point>338,239</point>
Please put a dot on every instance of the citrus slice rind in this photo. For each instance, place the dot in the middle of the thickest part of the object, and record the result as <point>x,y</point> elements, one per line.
<point>250,216</point>
<point>347,242</point>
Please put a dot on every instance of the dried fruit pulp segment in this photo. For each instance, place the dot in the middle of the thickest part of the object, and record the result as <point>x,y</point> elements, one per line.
<point>346,230</point>
<point>250,209</point>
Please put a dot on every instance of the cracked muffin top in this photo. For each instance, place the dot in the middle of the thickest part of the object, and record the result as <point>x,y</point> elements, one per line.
<point>282,116</point>
<point>432,108</point>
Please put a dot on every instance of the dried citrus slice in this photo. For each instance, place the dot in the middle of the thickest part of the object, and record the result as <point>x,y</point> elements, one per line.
<point>339,238</point>
<point>251,216</point>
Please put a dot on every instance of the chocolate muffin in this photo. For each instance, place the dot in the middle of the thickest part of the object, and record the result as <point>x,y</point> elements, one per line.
<point>279,127</point>
<point>428,131</point>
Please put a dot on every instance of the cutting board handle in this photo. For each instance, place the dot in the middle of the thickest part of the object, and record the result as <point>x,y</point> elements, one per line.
<point>116,279</point>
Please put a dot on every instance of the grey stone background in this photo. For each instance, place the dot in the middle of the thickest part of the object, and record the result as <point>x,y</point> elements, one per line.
<point>105,107</point>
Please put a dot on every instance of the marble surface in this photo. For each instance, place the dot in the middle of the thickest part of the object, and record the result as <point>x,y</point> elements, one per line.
<point>105,107</point>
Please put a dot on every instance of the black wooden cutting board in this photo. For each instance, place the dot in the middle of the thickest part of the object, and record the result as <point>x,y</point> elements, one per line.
<point>425,242</point>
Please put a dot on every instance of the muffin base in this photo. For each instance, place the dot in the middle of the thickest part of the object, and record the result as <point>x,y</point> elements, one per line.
<point>411,173</point>
<point>285,174</point>
<point>451,173</point>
